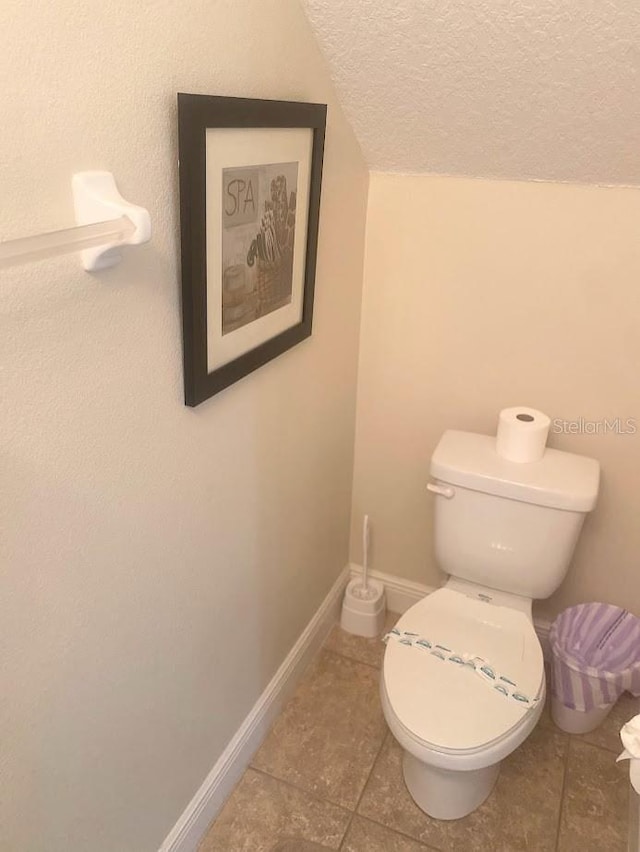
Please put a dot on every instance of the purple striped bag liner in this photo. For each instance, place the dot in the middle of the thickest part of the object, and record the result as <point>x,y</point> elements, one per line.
<point>596,655</point>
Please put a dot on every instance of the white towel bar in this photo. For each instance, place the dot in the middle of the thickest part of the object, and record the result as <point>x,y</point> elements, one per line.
<point>105,223</point>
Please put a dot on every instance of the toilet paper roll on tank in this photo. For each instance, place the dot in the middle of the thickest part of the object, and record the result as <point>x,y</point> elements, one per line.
<point>522,434</point>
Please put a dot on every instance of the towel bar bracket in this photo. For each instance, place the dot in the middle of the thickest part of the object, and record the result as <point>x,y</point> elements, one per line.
<point>104,223</point>
<point>96,199</point>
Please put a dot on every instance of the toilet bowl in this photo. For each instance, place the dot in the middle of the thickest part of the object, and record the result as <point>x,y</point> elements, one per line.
<point>462,681</point>
<point>455,726</point>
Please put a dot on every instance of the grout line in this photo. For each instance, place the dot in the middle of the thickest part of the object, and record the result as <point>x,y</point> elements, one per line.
<point>302,790</point>
<point>316,796</point>
<point>352,659</point>
<point>403,833</point>
<point>579,739</point>
<point>373,819</point>
<point>377,668</point>
<point>565,771</point>
<point>364,786</point>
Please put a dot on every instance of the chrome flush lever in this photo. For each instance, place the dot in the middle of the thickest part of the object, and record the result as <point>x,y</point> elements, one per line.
<point>441,490</point>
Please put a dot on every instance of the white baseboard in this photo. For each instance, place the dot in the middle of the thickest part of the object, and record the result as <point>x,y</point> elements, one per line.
<point>207,802</point>
<point>402,594</point>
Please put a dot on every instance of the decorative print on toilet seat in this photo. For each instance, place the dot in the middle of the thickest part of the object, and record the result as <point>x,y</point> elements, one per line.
<point>481,667</point>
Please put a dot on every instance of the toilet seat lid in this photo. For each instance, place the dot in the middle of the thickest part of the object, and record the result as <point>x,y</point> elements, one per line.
<point>450,706</point>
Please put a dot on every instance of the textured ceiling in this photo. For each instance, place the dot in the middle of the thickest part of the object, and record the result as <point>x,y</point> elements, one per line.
<point>524,89</point>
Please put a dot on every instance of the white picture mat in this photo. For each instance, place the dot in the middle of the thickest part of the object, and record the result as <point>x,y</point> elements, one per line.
<point>255,146</point>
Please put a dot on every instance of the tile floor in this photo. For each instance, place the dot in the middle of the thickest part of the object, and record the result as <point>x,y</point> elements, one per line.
<point>328,776</point>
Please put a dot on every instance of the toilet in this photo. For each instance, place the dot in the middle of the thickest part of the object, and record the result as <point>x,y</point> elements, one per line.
<point>463,682</point>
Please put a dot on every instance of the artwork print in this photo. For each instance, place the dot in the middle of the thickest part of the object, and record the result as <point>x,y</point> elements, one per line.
<point>250,184</point>
<point>258,234</point>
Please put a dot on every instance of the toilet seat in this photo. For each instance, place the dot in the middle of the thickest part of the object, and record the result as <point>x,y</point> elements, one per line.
<point>449,709</point>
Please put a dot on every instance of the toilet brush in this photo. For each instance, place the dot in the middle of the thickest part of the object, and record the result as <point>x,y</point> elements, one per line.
<point>363,608</point>
<point>365,554</point>
<point>363,590</point>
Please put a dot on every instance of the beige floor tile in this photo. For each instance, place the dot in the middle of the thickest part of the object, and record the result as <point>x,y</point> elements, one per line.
<point>367,836</point>
<point>521,814</point>
<point>262,814</point>
<point>368,651</point>
<point>595,806</point>
<point>326,739</point>
<point>608,734</point>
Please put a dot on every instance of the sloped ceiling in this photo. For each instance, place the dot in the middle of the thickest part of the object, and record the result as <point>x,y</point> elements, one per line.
<point>522,89</point>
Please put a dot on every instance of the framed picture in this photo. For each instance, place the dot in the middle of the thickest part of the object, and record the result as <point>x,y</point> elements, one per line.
<point>250,176</point>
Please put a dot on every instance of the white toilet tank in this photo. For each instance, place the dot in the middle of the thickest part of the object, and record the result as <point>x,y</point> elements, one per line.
<point>506,525</point>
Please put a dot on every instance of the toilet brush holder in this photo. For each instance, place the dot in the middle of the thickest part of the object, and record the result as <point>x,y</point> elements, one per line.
<point>364,608</point>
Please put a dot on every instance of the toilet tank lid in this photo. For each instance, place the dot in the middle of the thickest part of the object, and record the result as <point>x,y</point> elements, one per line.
<point>559,480</point>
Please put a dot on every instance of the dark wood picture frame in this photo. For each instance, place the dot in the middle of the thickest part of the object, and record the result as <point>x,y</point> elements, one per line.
<point>197,114</point>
